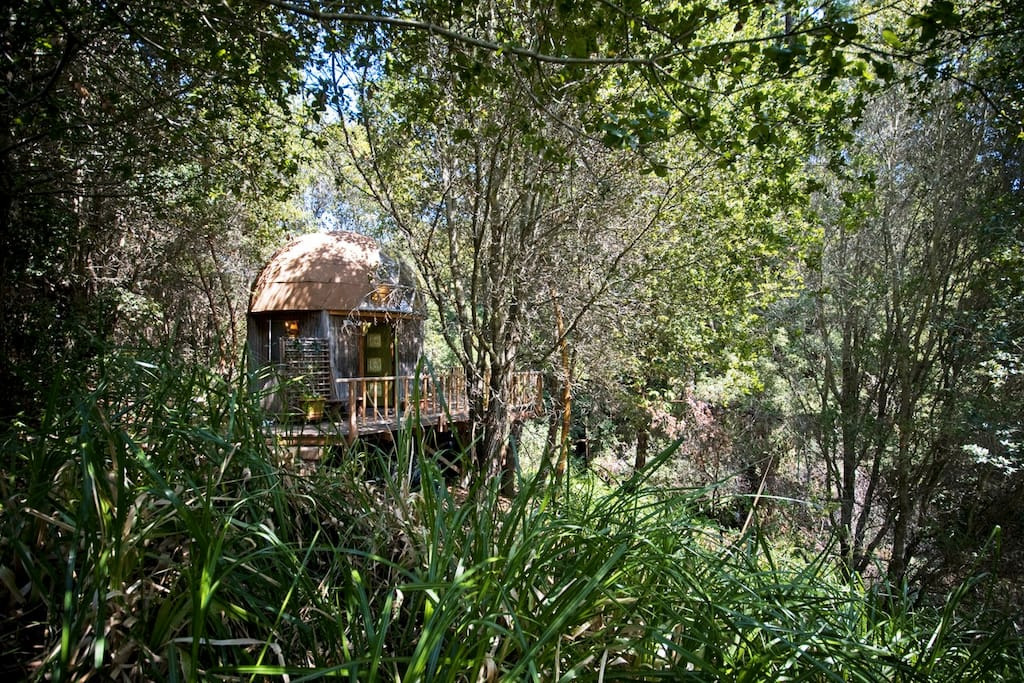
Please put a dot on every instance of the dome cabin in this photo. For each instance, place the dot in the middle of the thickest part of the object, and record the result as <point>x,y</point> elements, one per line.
<point>329,309</point>
<point>336,325</point>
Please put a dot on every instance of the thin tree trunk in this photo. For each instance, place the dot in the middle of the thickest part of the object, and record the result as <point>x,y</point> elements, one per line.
<point>511,460</point>
<point>563,446</point>
<point>643,439</point>
<point>849,418</point>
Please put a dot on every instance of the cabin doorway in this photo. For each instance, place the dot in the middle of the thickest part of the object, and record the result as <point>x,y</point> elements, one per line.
<point>379,351</point>
<point>280,329</point>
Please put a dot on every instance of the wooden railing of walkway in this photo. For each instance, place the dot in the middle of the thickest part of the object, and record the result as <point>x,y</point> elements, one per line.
<point>384,404</point>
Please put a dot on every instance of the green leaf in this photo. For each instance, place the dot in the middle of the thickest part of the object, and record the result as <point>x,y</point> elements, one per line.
<point>760,134</point>
<point>883,70</point>
<point>944,12</point>
<point>847,30</point>
<point>782,57</point>
<point>891,39</point>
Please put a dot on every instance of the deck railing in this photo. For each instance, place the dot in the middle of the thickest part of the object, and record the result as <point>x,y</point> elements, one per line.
<point>433,399</point>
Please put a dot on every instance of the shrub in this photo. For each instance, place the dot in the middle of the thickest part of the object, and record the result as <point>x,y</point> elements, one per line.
<point>148,534</point>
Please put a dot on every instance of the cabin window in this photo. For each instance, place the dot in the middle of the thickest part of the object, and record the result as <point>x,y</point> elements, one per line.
<point>379,296</point>
<point>281,329</point>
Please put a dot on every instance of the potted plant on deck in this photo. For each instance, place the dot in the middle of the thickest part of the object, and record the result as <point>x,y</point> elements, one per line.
<point>312,407</point>
<point>311,401</point>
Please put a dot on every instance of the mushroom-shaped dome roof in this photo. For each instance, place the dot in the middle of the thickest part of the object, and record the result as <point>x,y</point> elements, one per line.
<point>336,271</point>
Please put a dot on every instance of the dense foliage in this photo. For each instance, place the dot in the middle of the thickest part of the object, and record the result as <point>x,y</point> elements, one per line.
<point>768,257</point>
<point>134,141</point>
<point>162,541</point>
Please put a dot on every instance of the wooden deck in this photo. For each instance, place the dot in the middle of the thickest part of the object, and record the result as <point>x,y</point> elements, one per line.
<point>378,405</point>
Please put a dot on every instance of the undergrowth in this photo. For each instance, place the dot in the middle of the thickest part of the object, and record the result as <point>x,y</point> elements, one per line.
<point>150,531</point>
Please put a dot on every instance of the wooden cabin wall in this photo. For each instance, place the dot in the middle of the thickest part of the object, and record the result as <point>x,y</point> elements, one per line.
<point>409,345</point>
<point>344,334</point>
<point>344,337</point>
<point>257,331</point>
<point>311,324</point>
<point>260,353</point>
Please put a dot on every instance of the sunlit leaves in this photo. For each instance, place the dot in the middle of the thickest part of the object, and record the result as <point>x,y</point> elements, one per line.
<point>890,38</point>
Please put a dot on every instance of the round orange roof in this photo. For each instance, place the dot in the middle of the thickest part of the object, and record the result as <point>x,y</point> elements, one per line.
<point>334,271</point>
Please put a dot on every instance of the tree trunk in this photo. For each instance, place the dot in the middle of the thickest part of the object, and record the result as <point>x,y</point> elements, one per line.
<point>849,418</point>
<point>510,464</point>
<point>547,463</point>
<point>643,438</point>
<point>491,422</point>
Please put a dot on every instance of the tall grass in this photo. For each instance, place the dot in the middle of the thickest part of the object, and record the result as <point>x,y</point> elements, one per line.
<point>151,531</point>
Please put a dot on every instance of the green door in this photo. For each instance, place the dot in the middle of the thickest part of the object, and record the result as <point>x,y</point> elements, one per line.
<point>379,351</point>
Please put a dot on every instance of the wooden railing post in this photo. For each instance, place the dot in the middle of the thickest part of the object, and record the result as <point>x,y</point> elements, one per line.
<point>353,426</point>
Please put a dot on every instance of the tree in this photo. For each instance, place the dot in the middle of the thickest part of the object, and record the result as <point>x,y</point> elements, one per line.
<point>114,117</point>
<point>507,109</point>
<point>890,329</point>
<point>508,216</point>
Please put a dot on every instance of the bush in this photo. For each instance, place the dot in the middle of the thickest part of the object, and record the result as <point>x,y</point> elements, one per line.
<point>148,534</point>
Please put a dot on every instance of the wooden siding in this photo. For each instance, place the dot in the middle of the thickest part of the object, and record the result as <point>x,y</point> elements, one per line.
<point>408,345</point>
<point>344,338</point>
